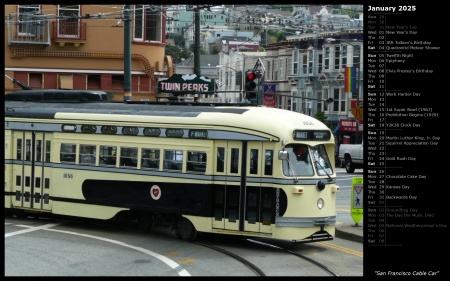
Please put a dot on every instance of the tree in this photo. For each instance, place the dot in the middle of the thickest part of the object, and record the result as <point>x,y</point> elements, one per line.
<point>177,53</point>
<point>178,38</point>
<point>271,37</point>
<point>281,35</point>
<point>192,49</point>
<point>215,50</point>
<point>320,115</point>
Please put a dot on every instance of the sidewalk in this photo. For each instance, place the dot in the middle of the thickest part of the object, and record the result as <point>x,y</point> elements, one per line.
<point>350,231</point>
<point>345,225</point>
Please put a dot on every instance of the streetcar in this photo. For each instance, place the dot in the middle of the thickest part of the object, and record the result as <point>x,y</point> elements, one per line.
<point>241,170</point>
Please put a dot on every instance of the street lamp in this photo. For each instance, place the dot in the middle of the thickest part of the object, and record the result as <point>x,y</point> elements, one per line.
<point>234,84</point>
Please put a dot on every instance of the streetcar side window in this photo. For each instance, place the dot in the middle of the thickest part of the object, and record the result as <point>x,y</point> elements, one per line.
<point>88,129</point>
<point>108,155</point>
<point>196,161</point>
<point>220,159</point>
<point>268,162</point>
<point>131,131</point>
<point>173,159</point>
<point>19,149</point>
<point>254,161</point>
<point>150,158</point>
<point>38,150</point>
<point>128,156</point>
<point>234,167</point>
<point>68,152</point>
<point>87,154</point>
<point>47,150</point>
<point>109,130</point>
<point>28,150</point>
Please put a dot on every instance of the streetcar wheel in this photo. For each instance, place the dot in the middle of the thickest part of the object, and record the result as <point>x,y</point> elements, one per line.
<point>20,214</point>
<point>144,222</point>
<point>8,213</point>
<point>186,230</point>
<point>349,166</point>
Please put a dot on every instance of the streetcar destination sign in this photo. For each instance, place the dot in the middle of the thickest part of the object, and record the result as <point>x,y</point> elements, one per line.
<point>311,135</point>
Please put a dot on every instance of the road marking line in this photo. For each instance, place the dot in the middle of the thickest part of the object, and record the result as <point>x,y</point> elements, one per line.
<point>30,229</point>
<point>175,266</point>
<point>343,249</point>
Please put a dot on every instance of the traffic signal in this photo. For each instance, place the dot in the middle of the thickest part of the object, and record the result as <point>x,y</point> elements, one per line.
<point>250,95</point>
<point>250,84</point>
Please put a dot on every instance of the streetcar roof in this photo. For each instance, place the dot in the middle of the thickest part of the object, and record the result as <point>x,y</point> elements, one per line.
<point>273,121</point>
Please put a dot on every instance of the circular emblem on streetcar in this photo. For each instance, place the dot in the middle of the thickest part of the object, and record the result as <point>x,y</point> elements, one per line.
<point>155,192</point>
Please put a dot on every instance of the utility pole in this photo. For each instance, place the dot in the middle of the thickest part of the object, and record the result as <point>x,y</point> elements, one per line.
<point>127,54</point>
<point>357,106</point>
<point>197,41</point>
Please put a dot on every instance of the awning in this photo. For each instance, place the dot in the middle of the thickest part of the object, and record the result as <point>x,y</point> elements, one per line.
<point>336,130</point>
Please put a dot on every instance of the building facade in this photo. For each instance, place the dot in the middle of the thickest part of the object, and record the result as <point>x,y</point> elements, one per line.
<point>305,74</point>
<point>83,47</point>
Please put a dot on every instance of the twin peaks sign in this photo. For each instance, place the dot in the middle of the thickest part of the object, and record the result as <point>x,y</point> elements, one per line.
<point>186,83</point>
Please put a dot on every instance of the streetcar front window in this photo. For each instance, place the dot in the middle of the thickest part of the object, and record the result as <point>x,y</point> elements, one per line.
<point>321,160</point>
<point>302,158</point>
<point>299,161</point>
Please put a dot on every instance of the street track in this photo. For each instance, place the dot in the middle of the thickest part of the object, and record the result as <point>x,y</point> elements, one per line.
<point>247,263</point>
<point>260,257</point>
<point>258,271</point>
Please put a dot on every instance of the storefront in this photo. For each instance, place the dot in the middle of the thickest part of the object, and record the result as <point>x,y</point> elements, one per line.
<point>348,132</point>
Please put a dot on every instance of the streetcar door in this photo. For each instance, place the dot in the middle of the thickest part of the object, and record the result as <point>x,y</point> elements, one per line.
<point>227,196</point>
<point>8,168</point>
<point>258,197</point>
<point>32,171</point>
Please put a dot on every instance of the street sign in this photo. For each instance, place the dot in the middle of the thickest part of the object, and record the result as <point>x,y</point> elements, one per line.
<point>186,83</point>
<point>357,112</point>
<point>357,199</point>
<point>269,98</point>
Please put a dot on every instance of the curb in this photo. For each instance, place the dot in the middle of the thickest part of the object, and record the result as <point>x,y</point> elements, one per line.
<point>349,236</point>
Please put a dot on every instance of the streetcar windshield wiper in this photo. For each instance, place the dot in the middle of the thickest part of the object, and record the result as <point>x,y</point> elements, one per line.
<point>323,169</point>
<point>292,170</point>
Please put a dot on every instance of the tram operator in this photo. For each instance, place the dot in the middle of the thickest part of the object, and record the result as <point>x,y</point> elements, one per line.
<point>301,152</point>
<point>302,166</point>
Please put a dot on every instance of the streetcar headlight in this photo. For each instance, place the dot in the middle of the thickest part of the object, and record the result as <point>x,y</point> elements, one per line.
<point>320,203</point>
<point>320,185</point>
